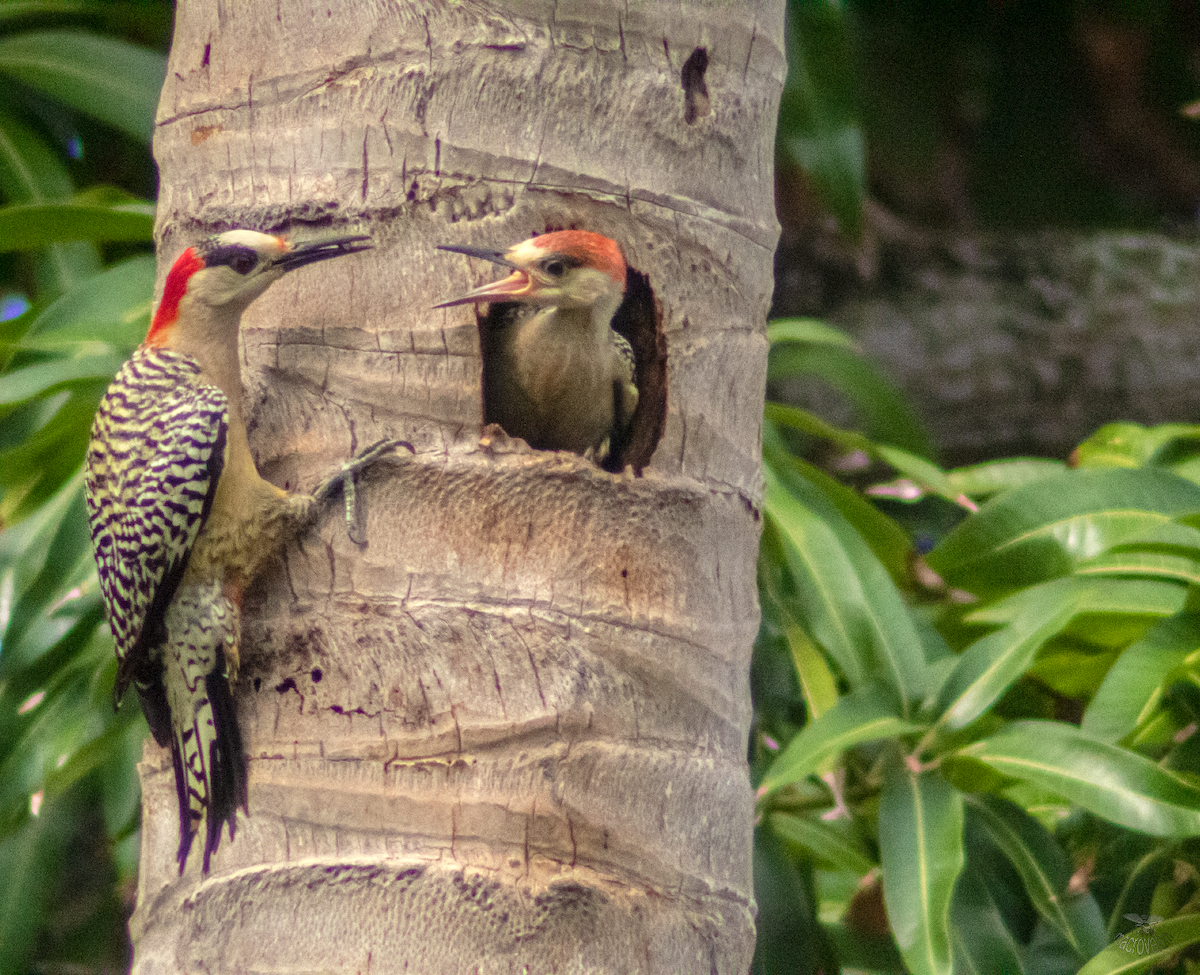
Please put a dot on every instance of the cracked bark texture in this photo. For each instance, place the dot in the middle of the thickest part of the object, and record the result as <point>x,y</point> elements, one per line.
<point>508,734</point>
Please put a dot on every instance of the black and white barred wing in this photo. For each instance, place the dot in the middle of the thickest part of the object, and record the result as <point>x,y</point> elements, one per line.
<point>157,448</point>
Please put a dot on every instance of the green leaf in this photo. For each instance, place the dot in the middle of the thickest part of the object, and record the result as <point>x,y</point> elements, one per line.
<point>983,945</point>
<point>923,473</point>
<point>1132,953</point>
<point>981,480</point>
<point>826,841</point>
<point>22,678</point>
<point>91,755</point>
<point>42,462</point>
<point>819,127</point>
<point>921,849</point>
<point>786,914</point>
<point>1041,530</point>
<point>11,10</point>
<point>1144,875</point>
<point>1130,444</point>
<point>30,171</point>
<point>1123,562</point>
<point>1111,782</point>
<point>113,81</point>
<point>46,377</point>
<point>851,607</point>
<point>1134,685</point>
<point>1071,670</point>
<point>817,683</point>
<point>28,889</point>
<point>70,544</point>
<point>866,714</point>
<point>890,543</point>
<point>1179,537</point>
<point>112,306</point>
<point>883,410</point>
<point>862,951</point>
<point>830,616</point>
<point>816,680</point>
<point>1044,869</point>
<point>27,226</point>
<point>1142,598</point>
<point>990,665</point>
<point>811,330</point>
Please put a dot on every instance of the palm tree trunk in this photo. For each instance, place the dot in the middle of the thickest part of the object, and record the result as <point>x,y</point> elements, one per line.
<point>508,733</point>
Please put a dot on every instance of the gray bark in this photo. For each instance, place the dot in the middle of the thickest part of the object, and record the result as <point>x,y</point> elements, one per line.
<point>509,733</point>
<point>1012,343</point>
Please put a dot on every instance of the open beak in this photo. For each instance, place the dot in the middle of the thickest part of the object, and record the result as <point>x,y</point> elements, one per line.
<point>516,285</point>
<point>312,251</point>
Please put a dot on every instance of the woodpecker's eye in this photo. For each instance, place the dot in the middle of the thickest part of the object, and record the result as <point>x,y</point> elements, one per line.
<point>243,263</point>
<point>242,259</point>
<point>555,268</point>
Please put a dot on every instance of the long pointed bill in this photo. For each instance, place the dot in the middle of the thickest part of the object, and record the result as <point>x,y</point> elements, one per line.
<point>516,285</point>
<point>321,250</point>
<point>496,257</point>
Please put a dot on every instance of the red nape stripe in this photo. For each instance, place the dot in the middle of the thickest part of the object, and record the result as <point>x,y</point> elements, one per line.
<point>187,264</point>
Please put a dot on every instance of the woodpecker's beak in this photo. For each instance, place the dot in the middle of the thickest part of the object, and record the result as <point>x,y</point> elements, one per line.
<point>312,251</point>
<point>517,285</point>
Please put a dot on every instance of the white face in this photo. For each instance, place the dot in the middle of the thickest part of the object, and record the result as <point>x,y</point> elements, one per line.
<point>560,282</point>
<point>240,267</point>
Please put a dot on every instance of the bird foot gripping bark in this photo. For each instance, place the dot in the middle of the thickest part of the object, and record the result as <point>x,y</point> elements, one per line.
<point>344,478</point>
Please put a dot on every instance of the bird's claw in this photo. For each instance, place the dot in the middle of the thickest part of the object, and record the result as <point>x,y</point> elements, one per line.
<point>344,477</point>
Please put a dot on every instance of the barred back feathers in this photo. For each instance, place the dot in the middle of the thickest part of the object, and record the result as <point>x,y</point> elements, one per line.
<point>155,457</point>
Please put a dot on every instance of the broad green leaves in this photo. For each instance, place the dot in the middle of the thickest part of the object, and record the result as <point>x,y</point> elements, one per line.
<point>988,667</point>
<point>1043,529</point>
<point>30,225</point>
<point>1043,868</point>
<point>67,763</point>
<point>111,80</point>
<point>1114,783</point>
<point>921,850</point>
<point>1143,949</point>
<point>1066,588</point>
<point>868,714</point>
<point>855,612</point>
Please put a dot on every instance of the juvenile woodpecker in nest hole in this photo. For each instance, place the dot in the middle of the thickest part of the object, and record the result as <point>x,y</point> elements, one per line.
<point>181,520</point>
<point>555,372</point>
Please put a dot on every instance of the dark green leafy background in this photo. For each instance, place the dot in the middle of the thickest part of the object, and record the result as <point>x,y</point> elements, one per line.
<point>69,798</point>
<point>923,753</point>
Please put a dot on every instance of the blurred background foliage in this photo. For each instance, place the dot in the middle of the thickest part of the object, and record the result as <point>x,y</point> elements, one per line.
<point>976,690</point>
<point>77,185</point>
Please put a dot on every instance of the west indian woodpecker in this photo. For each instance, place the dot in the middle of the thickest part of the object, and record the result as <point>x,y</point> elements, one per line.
<point>181,520</point>
<point>556,374</point>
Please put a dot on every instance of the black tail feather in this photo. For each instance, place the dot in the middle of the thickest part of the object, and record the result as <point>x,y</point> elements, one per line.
<point>226,762</point>
<point>152,692</point>
<point>185,812</point>
<point>227,774</point>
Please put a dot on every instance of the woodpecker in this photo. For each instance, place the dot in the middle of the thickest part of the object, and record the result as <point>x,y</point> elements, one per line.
<point>556,373</point>
<point>181,521</point>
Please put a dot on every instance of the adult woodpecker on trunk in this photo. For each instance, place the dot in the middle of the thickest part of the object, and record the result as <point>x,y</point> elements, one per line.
<point>181,520</point>
<point>555,373</point>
